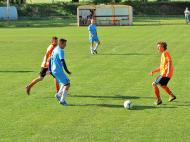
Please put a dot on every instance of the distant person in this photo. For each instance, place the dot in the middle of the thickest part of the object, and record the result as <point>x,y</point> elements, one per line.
<point>44,67</point>
<point>166,71</point>
<point>57,64</point>
<point>187,15</point>
<point>85,14</point>
<point>93,37</point>
<point>91,16</point>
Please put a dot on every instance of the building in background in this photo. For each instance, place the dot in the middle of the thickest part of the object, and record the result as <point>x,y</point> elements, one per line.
<point>105,15</point>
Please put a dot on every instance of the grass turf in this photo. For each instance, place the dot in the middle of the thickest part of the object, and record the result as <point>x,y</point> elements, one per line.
<point>100,84</point>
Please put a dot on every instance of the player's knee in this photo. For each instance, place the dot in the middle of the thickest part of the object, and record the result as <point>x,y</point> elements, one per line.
<point>40,78</point>
<point>67,87</point>
<point>153,84</point>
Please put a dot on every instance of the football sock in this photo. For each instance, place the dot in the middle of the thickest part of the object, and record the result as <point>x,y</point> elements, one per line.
<point>56,85</point>
<point>63,97</point>
<point>96,46</point>
<point>91,48</point>
<point>168,91</point>
<point>157,92</point>
<point>60,90</point>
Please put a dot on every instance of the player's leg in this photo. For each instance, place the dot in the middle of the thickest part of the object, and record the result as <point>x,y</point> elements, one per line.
<point>64,94</point>
<point>163,82</point>
<point>169,92</point>
<point>91,47</point>
<point>185,18</point>
<point>97,45</point>
<point>64,87</point>
<point>56,82</point>
<point>157,93</point>
<point>36,80</point>
<point>56,85</point>
<point>156,90</point>
<point>33,82</point>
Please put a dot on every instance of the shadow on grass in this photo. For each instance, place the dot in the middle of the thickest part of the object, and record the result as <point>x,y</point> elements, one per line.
<point>19,71</point>
<point>125,54</point>
<point>135,107</point>
<point>99,105</point>
<point>182,104</point>
<point>143,107</point>
<point>102,97</point>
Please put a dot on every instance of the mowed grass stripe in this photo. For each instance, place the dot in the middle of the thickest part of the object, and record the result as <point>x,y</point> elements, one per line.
<point>100,84</point>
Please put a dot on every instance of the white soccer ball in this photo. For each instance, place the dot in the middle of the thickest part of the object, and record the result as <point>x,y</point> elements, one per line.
<point>128,104</point>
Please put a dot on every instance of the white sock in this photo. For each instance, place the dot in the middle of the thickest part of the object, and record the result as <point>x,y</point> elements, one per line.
<point>60,90</point>
<point>96,46</point>
<point>63,97</point>
<point>91,48</point>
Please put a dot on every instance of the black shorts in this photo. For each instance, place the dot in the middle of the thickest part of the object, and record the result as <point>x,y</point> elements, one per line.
<point>43,72</point>
<point>163,81</point>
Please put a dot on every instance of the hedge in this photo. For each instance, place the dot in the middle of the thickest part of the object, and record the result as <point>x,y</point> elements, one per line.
<point>70,9</point>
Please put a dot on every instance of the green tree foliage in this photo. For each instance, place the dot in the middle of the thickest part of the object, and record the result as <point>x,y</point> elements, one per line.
<point>163,0</point>
<point>14,1</point>
<point>106,1</point>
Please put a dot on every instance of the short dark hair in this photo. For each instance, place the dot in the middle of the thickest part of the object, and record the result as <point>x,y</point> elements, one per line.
<point>54,38</point>
<point>62,40</point>
<point>163,44</point>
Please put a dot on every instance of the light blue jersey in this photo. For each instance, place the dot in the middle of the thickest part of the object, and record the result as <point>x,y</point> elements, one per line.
<point>93,37</point>
<point>56,66</point>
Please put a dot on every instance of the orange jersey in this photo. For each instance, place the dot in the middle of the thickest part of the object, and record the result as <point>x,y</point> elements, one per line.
<point>165,70</point>
<point>45,63</point>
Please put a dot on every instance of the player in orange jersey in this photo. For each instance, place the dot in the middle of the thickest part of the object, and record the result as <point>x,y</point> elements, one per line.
<point>166,71</point>
<point>45,66</point>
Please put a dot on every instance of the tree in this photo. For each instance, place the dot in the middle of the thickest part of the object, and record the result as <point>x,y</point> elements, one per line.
<point>144,1</point>
<point>17,1</point>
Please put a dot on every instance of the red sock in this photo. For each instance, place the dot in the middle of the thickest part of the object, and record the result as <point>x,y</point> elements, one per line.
<point>156,92</point>
<point>168,91</point>
<point>57,88</point>
<point>56,85</point>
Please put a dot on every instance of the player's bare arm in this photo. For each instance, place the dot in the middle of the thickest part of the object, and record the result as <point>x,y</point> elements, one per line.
<point>154,71</point>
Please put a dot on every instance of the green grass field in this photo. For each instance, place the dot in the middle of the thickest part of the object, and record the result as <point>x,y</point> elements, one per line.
<point>99,86</point>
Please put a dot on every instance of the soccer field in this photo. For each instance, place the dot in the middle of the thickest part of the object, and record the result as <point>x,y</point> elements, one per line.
<point>99,86</point>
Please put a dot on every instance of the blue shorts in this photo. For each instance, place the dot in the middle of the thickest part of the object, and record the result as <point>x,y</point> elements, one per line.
<point>93,39</point>
<point>62,79</point>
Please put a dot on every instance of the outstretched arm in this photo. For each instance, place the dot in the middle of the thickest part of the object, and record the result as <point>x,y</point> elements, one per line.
<point>154,71</point>
<point>65,66</point>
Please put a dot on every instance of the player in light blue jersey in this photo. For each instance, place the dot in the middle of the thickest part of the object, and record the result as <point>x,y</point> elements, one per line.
<point>93,37</point>
<point>56,68</point>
